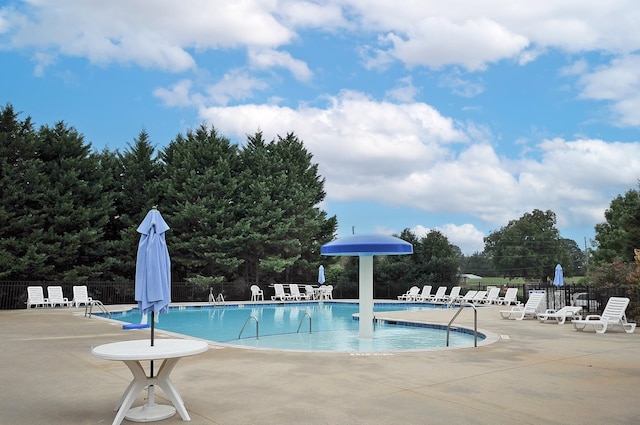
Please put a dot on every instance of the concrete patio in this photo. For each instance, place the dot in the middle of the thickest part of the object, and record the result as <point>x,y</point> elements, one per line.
<point>534,374</point>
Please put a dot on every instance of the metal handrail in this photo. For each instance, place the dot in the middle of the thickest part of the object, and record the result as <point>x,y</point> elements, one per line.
<point>245,325</point>
<point>89,306</point>
<point>306,313</point>
<point>475,322</point>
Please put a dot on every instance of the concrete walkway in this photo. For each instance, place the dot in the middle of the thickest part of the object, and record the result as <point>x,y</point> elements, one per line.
<point>535,374</point>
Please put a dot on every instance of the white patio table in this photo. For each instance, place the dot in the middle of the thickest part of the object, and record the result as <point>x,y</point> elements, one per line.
<point>132,353</point>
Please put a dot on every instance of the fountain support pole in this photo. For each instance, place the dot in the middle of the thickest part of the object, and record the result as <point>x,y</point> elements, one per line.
<point>365,247</point>
<point>366,296</point>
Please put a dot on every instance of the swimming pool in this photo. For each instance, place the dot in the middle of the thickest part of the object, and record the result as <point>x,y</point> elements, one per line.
<point>287,326</point>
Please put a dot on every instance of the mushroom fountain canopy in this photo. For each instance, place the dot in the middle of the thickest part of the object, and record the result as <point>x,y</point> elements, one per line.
<point>367,245</point>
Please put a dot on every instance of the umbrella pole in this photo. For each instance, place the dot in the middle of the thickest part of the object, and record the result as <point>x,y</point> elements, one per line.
<point>151,399</point>
<point>152,335</point>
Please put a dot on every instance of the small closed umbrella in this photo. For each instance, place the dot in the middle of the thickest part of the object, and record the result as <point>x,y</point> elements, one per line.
<point>153,286</point>
<point>321,279</point>
<point>558,279</point>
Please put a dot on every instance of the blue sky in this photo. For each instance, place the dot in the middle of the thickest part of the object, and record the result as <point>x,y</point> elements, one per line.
<point>457,116</point>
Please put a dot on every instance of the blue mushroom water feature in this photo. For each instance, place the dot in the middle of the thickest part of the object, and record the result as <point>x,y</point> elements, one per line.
<point>365,247</point>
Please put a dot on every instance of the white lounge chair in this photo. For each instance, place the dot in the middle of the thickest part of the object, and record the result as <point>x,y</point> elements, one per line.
<point>35,297</point>
<point>410,295</point>
<point>479,298</point>
<point>492,295</point>
<point>257,294</point>
<point>453,295</point>
<point>424,294</point>
<point>510,296</point>
<point>294,290</point>
<point>560,316</point>
<point>438,297</point>
<point>530,309</point>
<point>56,297</point>
<point>81,296</point>
<point>466,298</point>
<point>613,315</point>
<point>280,294</point>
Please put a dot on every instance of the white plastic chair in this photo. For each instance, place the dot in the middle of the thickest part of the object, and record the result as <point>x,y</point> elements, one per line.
<point>326,292</point>
<point>56,297</point>
<point>295,292</point>
<point>35,297</point>
<point>257,294</point>
<point>453,295</point>
<point>280,294</point>
<point>81,296</point>
<point>560,316</point>
<point>439,295</point>
<point>613,315</point>
<point>510,296</point>
<point>311,293</point>
<point>530,309</point>
<point>410,295</point>
<point>424,294</point>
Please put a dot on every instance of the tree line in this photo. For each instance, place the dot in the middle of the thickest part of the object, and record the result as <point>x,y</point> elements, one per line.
<point>236,213</point>
<point>246,214</point>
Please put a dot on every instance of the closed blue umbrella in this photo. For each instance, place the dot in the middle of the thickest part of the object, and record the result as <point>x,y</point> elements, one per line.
<point>558,279</point>
<point>321,279</point>
<point>153,265</point>
<point>153,293</point>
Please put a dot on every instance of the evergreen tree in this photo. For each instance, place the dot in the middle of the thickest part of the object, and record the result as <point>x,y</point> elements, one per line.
<point>199,196</point>
<point>284,227</point>
<point>135,183</point>
<point>74,209</point>
<point>620,233</point>
<point>22,182</point>
<point>440,258</point>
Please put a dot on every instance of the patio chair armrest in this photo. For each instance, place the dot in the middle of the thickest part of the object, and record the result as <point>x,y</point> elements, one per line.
<point>593,317</point>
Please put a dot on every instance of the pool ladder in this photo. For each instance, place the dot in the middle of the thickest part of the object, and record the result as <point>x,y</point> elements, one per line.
<point>475,322</point>
<point>246,322</point>
<point>88,308</point>
<point>306,313</point>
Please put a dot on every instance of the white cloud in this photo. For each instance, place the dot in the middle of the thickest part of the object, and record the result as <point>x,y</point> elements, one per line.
<point>619,83</point>
<point>460,86</point>
<point>235,85</point>
<point>269,58</point>
<point>436,42</point>
<point>404,92</point>
<point>327,16</point>
<point>465,236</point>
<point>157,34</point>
<point>178,95</point>
<point>410,155</point>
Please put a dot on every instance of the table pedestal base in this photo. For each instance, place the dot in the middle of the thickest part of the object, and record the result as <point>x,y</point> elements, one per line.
<point>151,411</point>
<point>148,413</point>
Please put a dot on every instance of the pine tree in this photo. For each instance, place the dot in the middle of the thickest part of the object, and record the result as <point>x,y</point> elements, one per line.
<point>21,182</point>
<point>75,209</point>
<point>199,197</point>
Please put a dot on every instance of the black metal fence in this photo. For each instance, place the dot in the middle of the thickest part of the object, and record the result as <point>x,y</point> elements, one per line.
<point>591,299</point>
<point>13,294</point>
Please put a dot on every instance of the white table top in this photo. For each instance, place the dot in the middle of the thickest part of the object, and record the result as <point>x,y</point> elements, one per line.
<point>141,349</point>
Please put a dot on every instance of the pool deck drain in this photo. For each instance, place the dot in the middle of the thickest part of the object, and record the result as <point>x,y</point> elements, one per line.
<point>542,374</point>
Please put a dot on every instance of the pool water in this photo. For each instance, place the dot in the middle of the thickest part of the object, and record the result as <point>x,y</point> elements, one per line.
<point>287,327</point>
